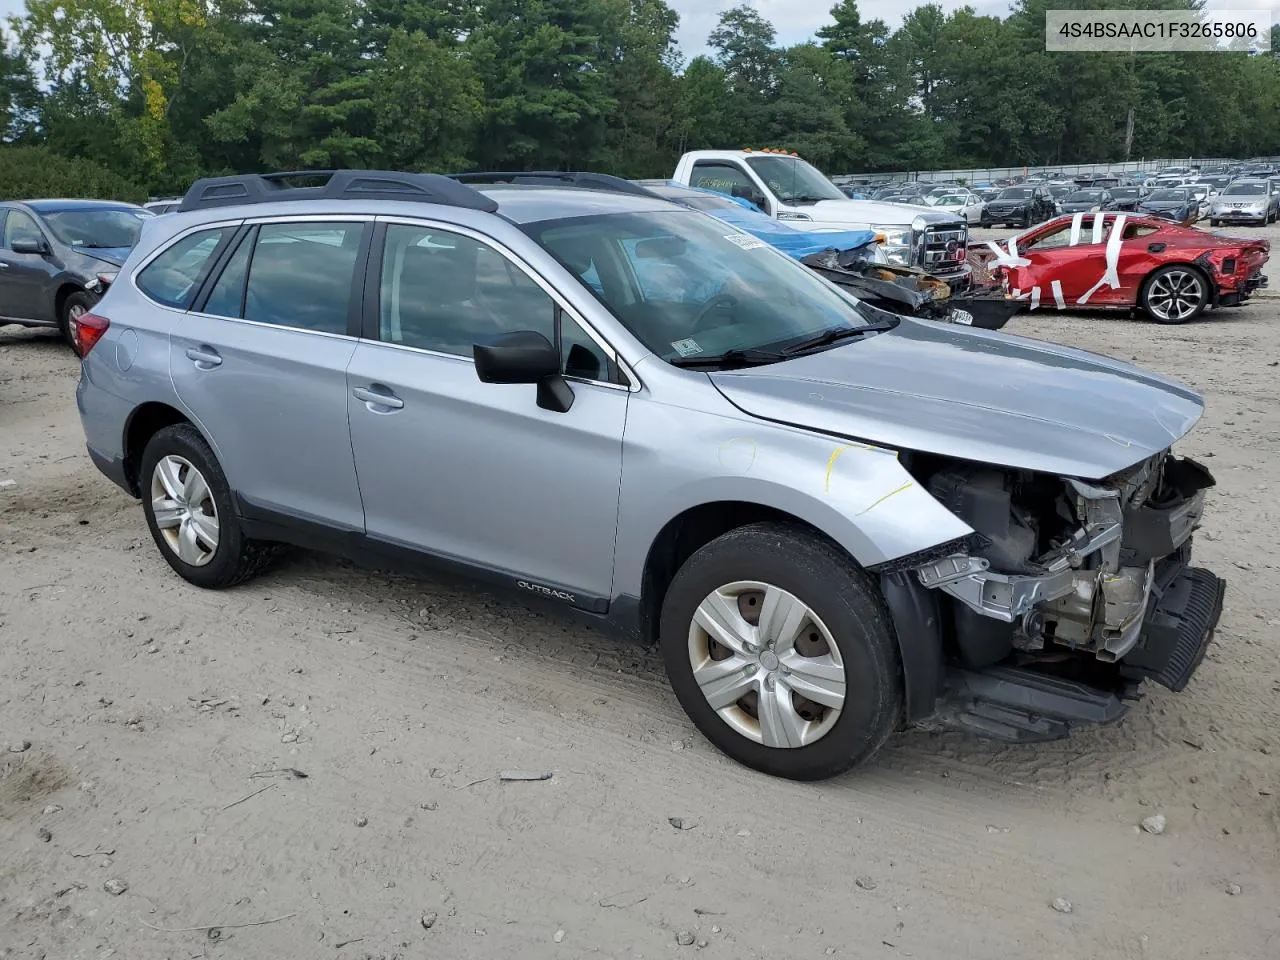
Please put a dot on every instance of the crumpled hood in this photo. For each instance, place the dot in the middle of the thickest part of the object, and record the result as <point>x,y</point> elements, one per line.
<point>863,214</point>
<point>986,397</point>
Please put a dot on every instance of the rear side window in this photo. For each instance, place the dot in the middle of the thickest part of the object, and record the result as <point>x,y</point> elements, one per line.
<point>174,277</point>
<point>303,275</point>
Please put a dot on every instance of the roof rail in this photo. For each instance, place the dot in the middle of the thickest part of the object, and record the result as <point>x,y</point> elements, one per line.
<point>581,179</point>
<point>337,185</point>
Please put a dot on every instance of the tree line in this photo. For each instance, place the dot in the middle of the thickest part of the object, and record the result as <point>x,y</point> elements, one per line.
<point>159,92</point>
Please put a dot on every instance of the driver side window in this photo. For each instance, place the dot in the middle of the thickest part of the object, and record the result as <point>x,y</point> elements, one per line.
<point>19,226</point>
<point>725,178</point>
<point>445,292</point>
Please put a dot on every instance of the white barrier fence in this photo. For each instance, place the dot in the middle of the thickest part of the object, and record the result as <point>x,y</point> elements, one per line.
<point>978,174</point>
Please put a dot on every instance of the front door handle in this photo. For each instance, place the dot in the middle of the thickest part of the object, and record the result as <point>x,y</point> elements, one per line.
<point>378,398</point>
<point>204,357</point>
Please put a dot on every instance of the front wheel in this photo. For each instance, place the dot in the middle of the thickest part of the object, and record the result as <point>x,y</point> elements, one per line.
<point>73,308</point>
<point>189,510</point>
<point>781,651</point>
<point>1175,294</point>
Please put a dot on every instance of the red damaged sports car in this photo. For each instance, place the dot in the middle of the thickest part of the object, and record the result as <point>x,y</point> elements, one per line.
<point>1118,261</point>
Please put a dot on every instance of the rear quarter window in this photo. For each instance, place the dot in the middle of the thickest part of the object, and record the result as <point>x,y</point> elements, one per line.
<point>174,277</point>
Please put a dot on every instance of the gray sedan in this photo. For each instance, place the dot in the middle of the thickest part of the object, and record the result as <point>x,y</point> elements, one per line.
<point>57,256</point>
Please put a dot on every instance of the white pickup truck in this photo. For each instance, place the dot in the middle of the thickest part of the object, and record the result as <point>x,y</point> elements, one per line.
<point>788,188</point>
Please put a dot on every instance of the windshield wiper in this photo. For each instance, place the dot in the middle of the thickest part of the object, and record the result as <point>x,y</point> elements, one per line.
<point>835,334</point>
<point>100,246</point>
<point>731,358</point>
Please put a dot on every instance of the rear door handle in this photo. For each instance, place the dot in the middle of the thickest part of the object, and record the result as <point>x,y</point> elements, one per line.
<point>378,398</point>
<point>204,357</point>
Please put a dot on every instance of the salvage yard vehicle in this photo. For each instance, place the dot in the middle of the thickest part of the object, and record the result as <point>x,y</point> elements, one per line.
<point>853,260</point>
<point>1019,206</point>
<point>1126,198</point>
<point>1088,200</point>
<point>56,256</point>
<point>1124,262</point>
<point>1246,201</point>
<point>834,524</point>
<point>1172,203</point>
<point>787,188</point>
<point>961,202</point>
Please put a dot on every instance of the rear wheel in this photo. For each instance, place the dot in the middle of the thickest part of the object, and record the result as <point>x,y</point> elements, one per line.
<point>1175,294</point>
<point>1214,223</point>
<point>73,308</point>
<point>190,512</point>
<point>781,651</point>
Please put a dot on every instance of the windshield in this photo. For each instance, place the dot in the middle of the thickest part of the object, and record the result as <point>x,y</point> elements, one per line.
<point>1245,190</point>
<point>1015,193</point>
<point>688,288</point>
<point>1167,195</point>
<point>96,229</point>
<point>793,180</point>
<point>1126,193</point>
<point>953,200</point>
<point>1081,195</point>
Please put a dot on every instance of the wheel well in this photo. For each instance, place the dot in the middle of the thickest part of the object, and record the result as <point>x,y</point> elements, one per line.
<point>682,536</point>
<point>60,298</point>
<point>143,424</point>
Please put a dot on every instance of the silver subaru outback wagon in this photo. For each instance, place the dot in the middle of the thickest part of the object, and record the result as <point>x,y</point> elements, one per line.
<point>835,522</point>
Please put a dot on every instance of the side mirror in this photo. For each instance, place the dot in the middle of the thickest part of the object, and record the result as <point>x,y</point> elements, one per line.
<point>525,356</point>
<point>39,247</point>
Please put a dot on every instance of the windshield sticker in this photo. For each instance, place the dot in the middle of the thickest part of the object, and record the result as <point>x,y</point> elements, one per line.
<point>686,348</point>
<point>746,241</point>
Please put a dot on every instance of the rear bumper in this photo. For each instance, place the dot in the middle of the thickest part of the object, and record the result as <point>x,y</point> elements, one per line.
<point>111,467</point>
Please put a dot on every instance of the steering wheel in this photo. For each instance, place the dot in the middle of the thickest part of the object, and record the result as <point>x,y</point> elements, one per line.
<point>721,301</point>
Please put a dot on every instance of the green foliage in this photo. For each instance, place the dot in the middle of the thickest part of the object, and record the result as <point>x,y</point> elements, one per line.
<point>160,92</point>
<point>31,172</point>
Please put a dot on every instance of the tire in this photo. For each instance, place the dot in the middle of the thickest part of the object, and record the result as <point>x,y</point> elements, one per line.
<point>1214,223</point>
<point>846,617</point>
<point>76,304</point>
<point>233,558</point>
<point>1173,279</point>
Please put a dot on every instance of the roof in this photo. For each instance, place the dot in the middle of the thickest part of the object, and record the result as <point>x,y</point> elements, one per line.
<point>57,206</point>
<point>530,204</point>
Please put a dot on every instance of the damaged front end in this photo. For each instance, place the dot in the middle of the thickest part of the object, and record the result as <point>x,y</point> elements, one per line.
<point>1069,594</point>
<point>912,292</point>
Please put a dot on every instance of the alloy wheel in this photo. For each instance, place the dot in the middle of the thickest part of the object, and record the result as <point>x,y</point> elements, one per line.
<point>1175,295</point>
<point>767,664</point>
<point>184,511</point>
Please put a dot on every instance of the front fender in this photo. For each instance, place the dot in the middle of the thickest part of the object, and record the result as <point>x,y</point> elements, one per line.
<point>857,494</point>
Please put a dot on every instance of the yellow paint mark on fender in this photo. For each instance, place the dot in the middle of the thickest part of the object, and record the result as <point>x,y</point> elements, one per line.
<point>892,493</point>
<point>835,455</point>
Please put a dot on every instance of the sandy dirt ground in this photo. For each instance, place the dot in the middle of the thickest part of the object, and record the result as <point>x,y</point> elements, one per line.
<point>169,729</point>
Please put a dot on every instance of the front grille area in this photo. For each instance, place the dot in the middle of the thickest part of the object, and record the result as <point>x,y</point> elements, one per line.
<point>943,250</point>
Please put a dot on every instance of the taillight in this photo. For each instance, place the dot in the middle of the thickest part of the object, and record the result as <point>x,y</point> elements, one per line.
<point>89,330</point>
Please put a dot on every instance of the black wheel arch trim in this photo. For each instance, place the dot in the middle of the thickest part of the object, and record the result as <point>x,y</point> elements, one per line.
<point>917,623</point>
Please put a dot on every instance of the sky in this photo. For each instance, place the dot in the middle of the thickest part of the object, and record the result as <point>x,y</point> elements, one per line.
<point>796,20</point>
